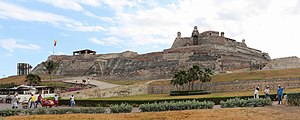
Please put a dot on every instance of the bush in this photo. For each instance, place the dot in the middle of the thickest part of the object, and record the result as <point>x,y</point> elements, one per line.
<point>10,112</point>
<point>123,108</point>
<point>192,92</point>
<point>95,110</point>
<point>237,102</point>
<point>107,103</point>
<point>293,99</point>
<point>181,105</point>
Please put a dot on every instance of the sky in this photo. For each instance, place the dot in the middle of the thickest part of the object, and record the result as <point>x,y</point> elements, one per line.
<point>28,28</point>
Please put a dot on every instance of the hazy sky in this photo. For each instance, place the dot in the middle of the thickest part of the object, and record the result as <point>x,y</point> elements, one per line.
<point>28,28</point>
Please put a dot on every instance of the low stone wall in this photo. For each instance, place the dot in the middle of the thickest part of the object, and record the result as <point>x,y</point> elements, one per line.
<point>121,91</point>
<point>245,85</point>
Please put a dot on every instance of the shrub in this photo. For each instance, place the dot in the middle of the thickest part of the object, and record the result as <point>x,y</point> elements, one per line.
<point>191,92</point>
<point>123,108</point>
<point>40,111</point>
<point>237,102</point>
<point>107,103</point>
<point>293,99</point>
<point>181,105</point>
<point>10,112</point>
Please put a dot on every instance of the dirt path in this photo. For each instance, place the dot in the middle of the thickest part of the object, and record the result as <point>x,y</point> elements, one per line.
<point>99,84</point>
<point>277,112</point>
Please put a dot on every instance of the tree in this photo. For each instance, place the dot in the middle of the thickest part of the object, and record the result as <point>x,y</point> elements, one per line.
<point>205,76</point>
<point>194,74</point>
<point>33,79</point>
<point>50,66</point>
<point>183,77</point>
<point>180,78</point>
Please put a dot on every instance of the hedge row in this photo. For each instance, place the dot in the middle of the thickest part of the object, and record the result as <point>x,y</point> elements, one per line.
<point>136,103</point>
<point>237,102</point>
<point>10,112</point>
<point>123,108</point>
<point>183,105</point>
<point>190,92</point>
<point>293,99</point>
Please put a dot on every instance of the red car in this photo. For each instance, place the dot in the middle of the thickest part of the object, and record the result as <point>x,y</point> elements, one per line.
<point>49,103</point>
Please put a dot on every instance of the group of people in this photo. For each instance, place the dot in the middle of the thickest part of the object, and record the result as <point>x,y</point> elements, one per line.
<point>15,100</point>
<point>267,93</point>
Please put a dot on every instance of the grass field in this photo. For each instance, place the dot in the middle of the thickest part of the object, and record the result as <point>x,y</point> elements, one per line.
<point>249,75</point>
<point>13,79</point>
<point>258,113</point>
<point>126,82</point>
<point>257,75</point>
<point>167,96</point>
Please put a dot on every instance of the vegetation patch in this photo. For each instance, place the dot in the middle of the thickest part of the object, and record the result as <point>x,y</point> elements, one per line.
<point>237,102</point>
<point>107,103</point>
<point>122,108</point>
<point>189,92</point>
<point>38,111</point>
<point>180,105</point>
<point>293,99</point>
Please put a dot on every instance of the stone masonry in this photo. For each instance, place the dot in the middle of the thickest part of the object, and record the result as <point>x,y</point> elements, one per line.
<point>283,63</point>
<point>207,49</point>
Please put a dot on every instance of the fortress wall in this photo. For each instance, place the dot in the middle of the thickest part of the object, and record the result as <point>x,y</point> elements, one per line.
<point>235,86</point>
<point>155,56</point>
<point>283,63</point>
<point>180,42</point>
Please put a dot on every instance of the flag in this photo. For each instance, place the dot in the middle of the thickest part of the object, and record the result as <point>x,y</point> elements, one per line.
<point>55,42</point>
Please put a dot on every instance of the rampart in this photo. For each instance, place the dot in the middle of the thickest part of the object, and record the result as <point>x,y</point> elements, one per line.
<point>207,49</point>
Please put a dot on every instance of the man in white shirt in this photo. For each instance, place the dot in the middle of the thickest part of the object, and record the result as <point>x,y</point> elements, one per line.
<point>256,92</point>
<point>14,101</point>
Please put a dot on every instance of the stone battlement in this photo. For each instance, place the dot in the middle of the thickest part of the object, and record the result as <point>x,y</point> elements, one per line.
<point>209,49</point>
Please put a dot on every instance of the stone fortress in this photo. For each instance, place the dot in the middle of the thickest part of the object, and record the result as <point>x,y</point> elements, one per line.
<point>207,49</point>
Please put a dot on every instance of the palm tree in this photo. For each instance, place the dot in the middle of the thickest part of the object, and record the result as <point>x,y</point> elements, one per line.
<point>50,66</point>
<point>193,74</point>
<point>33,79</point>
<point>180,78</point>
<point>205,76</point>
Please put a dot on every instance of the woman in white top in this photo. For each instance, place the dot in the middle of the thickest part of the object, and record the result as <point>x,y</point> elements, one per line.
<point>256,92</point>
<point>72,101</point>
<point>267,92</point>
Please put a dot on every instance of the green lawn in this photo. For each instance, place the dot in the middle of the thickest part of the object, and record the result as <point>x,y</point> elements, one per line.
<point>126,82</point>
<point>249,75</point>
<point>167,96</point>
<point>257,75</point>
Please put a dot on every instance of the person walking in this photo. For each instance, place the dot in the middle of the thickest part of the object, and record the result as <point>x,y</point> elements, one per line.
<point>39,100</point>
<point>72,101</point>
<point>267,92</point>
<point>32,101</point>
<point>256,92</point>
<point>56,100</point>
<point>279,94</point>
<point>15,101</point>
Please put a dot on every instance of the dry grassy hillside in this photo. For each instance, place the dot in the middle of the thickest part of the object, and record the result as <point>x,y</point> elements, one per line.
<point>13,79</point>
<point>251,75</point>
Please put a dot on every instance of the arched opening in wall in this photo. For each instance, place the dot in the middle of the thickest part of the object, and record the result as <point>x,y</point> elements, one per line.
<point>209,33</point>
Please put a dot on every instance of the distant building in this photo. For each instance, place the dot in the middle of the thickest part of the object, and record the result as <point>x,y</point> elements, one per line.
<point>84,52</point>
<point>23,68</point>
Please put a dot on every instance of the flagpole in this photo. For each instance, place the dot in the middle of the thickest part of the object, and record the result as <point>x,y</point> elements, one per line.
<point>53,50</point>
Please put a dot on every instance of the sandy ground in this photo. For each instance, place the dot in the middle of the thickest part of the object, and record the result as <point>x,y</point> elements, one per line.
<point>279,112</point>
<point>99,84</point>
